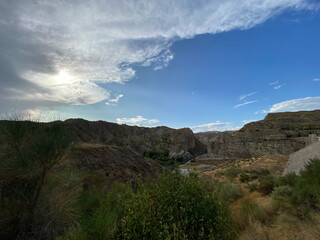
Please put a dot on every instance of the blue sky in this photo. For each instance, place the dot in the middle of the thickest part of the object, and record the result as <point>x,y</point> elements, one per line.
<point>204,72</point>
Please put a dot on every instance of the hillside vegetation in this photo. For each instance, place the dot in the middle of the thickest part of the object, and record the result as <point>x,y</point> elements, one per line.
<point>52,187</point>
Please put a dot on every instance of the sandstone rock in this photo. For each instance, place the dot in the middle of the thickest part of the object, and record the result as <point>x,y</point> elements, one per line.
<point>278,133</point>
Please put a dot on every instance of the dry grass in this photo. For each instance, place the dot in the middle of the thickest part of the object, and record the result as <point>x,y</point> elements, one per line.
<point>253,214</point>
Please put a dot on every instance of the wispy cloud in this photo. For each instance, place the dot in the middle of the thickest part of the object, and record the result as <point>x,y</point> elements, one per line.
<point>115,100</point>
<point>316,79</point>
<point>248,121</point>
<point>276,85</point>
<point>138,120</point>
<point>245,103</point>
<point>242,97</point>
<point>100,41</point>
<point>294,105</point>
<point>215,126</point>
<point>306,104</point>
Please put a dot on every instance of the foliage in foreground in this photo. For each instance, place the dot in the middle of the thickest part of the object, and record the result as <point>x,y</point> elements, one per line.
<point>175,207</point>
<point>299,193</point>
<point>28,153</point>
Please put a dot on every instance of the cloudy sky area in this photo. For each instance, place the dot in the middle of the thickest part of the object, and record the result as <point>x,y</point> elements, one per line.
<point>206,64</point>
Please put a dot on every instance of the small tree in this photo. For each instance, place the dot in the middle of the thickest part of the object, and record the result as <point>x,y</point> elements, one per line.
<point>28,151</point>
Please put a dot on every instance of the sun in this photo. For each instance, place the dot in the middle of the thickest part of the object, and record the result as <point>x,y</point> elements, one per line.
<point>63,77</point>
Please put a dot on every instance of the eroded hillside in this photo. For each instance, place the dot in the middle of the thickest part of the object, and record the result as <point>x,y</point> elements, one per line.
<point>278,133</point>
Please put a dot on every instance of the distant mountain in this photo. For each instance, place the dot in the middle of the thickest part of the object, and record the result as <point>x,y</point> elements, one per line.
<point>119,150</point>
<point>278,133</point>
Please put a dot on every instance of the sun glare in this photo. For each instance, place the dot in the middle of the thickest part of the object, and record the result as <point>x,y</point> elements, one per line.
<point>63,78</point>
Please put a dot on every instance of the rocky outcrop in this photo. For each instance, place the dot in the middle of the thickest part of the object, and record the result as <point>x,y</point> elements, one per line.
<point>209,137</point>
<point>278,133</point>
<point>246,144</point>
<point>117,164</point>
<point>179,143</point>
<point>298,160</point>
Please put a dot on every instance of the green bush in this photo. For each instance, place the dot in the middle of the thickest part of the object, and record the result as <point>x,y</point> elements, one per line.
<point>162,157</point>
<point>299,194</point>
<point>258,174</point>
<point>252,187</point>
<point>266,185</point>
<point>289,179</point>
<point>176,207</point>
<point>280,197</point>
<point>232,173</point>
<point>228,192</point>
<point>306,190</point>
<point>244,177</point>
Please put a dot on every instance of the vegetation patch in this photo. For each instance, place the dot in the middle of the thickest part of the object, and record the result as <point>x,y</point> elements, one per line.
<point>299,194</point>
<point>162,157</point>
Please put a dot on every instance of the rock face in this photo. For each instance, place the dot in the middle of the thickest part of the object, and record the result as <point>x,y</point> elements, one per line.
<point>179,143</point>
<point>115,163</point>
<point>209,137</point>
<point>299,159</point>
<point>278,133</point>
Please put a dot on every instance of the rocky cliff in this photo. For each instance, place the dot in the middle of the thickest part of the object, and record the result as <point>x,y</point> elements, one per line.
<point>278,133</point>
<point>179,143</point>
<point>115,163</point>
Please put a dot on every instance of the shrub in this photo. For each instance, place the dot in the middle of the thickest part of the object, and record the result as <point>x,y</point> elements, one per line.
<point>266,185</point>
<point>258,174</point>
<point>244,177</point>
<point>252,212</point>
<point>29,152</point>
<point>280,197</point>
<point>289,179</point>
<point>299,194</point>
<point>231,173</point>
<point>162,157</point>
<point>176,207</point>
<point>228,192</point>
<point>252,187</point>
<point>306,190</point>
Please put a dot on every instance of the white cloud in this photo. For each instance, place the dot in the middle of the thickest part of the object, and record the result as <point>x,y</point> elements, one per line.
<point>245,103</point>
<point>248,121</point>
<point>316,79</point>
<point>274,83</point>
<point>242,97</point>
<point>215,126</point>
<point>138,120</point>
<point>301,104</point>
<point>99,41</point>
<point>115,100</point>
<point>261,112</point>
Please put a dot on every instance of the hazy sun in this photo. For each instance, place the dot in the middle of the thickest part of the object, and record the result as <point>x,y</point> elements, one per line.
<point>63,78</point>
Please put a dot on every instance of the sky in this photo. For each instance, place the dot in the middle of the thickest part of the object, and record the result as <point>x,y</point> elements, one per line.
<point>209,65</point>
